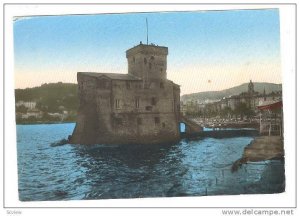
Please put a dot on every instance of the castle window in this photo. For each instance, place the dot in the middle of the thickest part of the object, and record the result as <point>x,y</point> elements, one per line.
<point>127,84</point>
<point>145,61</point>
<point>153,101</point>
<point>139,121</point>
<point>133,59</point>
<point>152,57</point>
<point>150,66</point>
<point>156,120</point>
<point>148,108</point>
<point>162,85</point>
<point>163,125</point>
<point>117,103</point>
<point>161,70</point>
<point>137,102</point>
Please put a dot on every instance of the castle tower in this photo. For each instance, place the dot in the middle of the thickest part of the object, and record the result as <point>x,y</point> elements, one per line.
<point>142,106</point>
<point>250,87</point>
<point>148,62</point>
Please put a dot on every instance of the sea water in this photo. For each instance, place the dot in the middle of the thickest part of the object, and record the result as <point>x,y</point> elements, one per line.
<point>48,171</point>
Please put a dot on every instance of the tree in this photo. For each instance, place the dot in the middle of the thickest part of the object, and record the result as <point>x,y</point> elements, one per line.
<point>243,110</point>
<point>226,111</point>
<point>21,109</point>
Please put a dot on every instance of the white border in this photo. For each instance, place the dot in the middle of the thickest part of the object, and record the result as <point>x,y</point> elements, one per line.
<point>287,199</point>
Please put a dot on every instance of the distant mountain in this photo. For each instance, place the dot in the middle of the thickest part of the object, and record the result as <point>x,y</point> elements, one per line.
<point>52,97</point>
<point>217,95</point>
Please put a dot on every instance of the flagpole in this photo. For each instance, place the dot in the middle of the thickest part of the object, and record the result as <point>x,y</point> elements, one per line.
<point>147,29</point>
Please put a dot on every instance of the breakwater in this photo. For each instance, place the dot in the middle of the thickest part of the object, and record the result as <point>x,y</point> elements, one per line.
<point>261,149</point>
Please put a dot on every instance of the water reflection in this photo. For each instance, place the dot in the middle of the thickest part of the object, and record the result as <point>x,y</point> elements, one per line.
<point>129,170</point>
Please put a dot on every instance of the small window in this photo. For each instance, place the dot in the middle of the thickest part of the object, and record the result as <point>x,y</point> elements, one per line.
<point>148,108</point>
<point>150,65</point>
<point>128,85</point>
<point>161,70</point>
<point>161,85</point>
<point>139,121</point>
<point>117,103</point>
<point>133,59</point>
<point>153,101</point>
<point>137,102</point>
<point>152,57</point>
<point>157,120</point>
<point>145,61</point>
<point>163,125</point>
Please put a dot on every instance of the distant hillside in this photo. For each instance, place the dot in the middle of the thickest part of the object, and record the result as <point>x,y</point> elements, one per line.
<point>216,95</point>
<point>50,97</point>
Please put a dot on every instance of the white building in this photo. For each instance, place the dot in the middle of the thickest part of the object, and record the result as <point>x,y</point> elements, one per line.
<point>27,104</point>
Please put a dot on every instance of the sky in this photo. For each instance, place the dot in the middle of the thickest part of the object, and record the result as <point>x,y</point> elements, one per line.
<point>208,50</point>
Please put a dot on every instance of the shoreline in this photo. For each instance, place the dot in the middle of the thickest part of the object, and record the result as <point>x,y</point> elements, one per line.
<point>262,148</point>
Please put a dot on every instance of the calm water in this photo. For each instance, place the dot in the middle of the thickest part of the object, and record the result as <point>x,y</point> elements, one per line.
<point>188,168</point>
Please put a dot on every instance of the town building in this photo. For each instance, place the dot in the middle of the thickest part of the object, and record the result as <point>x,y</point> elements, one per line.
<point>250,98</point>
<point>27,104</point>
<point>142,106</point>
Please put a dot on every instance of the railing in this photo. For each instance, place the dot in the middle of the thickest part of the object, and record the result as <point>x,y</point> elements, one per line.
<point>268,128</point>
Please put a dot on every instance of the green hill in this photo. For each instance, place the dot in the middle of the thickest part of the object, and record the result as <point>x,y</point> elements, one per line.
<point>217,95</point>
<point>52,97</point>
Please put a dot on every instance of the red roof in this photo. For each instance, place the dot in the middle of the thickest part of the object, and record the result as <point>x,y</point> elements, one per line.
<point>270,106</point>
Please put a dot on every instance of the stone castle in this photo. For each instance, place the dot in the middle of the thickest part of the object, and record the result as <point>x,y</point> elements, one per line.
<point>142,106</point>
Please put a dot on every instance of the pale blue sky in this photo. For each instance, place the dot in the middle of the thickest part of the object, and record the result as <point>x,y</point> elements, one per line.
<point>226,47</point>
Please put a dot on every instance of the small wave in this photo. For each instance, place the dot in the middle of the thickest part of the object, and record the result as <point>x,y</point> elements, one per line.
<point>59,143</point>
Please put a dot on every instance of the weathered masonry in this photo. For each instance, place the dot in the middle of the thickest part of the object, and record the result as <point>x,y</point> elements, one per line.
<point>140,107</point>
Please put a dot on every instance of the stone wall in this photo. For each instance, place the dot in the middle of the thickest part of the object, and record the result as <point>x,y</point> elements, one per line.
<point>148,62</point>
<point>121,111</point>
